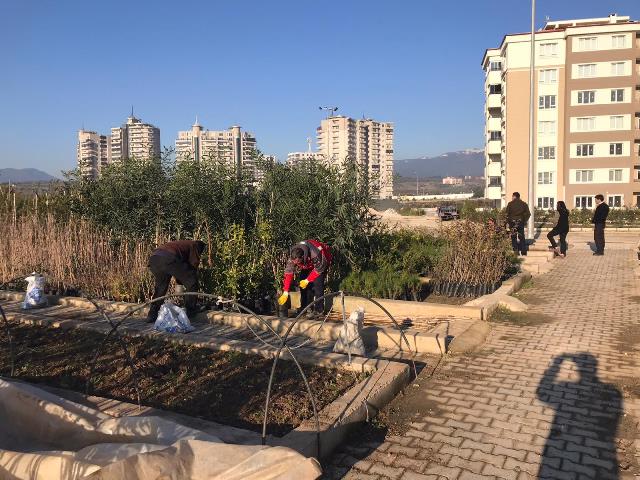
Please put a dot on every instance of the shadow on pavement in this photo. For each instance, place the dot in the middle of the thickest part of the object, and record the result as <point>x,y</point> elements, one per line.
<point>582,439</point>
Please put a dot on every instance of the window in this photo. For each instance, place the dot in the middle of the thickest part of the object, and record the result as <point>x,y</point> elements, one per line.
<point>495,135</point>
<point>545,178</point>
<point>587,70</point>
<point>584,150</point>
<point>587,96</point>
<point>546,153</point>
<point>495,89</point>
<point>548,76</point>
<point>587,43</point>
<point>546,127</point>
<point>615,175</point>
<point>637,174</point>
<point>584,176</point>
<point>615,149</point>
<point>494,181</point>
<point>617,68</point>
<point>616,122</point>
<point>583,201</point>
<point>615,201</point>
<point>548,49</point>
<point>586,124</point>
<point>618,41</point>
<point>495,66</point>
<point>617,95</point>
<point>546,202</point>
<point>547,101</point>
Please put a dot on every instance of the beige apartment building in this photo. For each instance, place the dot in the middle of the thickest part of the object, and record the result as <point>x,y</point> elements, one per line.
<point>367,142</point>
<point>586,117</point>
<point>232,146</point>
<point>295,158</point>
<point>135,139</point>
<point>93,153</point>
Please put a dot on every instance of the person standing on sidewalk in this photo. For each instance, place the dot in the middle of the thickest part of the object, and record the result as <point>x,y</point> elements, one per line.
<point>517,215</point>
<point>179,259</point>
<point>561,229</point>
<point>599,220</point>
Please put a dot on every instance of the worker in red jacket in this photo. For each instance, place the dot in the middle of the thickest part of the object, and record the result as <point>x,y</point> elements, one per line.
<point>313,259</point>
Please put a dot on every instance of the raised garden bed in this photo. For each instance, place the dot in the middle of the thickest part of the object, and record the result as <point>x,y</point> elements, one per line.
<point>226,387</point>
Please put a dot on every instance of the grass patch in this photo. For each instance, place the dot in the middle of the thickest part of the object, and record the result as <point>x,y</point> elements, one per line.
<point>502,315</point>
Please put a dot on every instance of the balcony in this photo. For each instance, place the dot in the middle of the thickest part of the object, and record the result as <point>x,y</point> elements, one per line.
<point>494,192</point>
<point>494,124</point>
<point>494,169</point>
<point>494,147</point>
<point>494,100</point>
<point>494,77</point>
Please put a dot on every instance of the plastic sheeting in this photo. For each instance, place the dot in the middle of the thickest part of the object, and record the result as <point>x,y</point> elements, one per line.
<point>44,436</point>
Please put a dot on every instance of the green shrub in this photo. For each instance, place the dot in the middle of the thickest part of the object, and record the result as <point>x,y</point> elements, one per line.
<point>383,283</point>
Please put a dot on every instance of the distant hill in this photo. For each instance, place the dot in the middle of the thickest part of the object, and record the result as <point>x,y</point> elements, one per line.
<point>455,164</point>
<point>24,175</point>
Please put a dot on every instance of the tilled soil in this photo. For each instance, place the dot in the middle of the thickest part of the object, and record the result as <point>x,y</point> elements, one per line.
<point>225,387</point>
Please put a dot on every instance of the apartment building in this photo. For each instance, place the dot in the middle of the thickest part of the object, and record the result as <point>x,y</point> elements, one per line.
<point>452,181</point>
<point>586,116</point>
<point>366,141</point>
<point>295,158</point>
<point>232,146</point>
<point>135,139</point>
<point>93,153</point>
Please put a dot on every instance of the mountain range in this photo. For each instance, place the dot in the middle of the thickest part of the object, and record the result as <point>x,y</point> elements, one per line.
<point>24,175</point>
<point>455,164</point>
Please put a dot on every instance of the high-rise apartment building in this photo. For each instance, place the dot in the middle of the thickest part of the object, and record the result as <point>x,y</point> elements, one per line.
<point>135,139</point>
<point>367,142</point>
<point>232,146</point>
<point>295,158</point>
<point>586,117</point>
<point>93,153</point>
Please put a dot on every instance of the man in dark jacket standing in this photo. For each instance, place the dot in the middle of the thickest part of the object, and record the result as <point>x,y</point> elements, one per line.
<point>517,216</point>
<point>599,220</point>
<point>179,259</point>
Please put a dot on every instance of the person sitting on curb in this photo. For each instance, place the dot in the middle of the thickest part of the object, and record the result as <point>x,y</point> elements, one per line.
<point>179,259</point>
<point>313,259</point>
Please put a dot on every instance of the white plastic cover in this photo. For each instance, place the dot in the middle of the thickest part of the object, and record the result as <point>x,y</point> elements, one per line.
<point>173,319</point>
<point>35,297</point>
<point>46,437</point>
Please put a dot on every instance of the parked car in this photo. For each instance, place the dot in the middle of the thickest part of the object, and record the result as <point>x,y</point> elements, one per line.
<point>448,212</point>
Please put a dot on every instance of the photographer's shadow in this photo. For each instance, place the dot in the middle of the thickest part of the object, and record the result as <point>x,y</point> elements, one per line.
<point>582,438</point>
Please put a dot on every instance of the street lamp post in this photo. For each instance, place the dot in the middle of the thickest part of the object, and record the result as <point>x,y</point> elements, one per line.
<point>532,198</point>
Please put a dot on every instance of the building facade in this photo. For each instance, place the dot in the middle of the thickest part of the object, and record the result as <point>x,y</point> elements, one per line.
<point>135,139</point>
<point>586,114</point>
<point>367,142</point>
<point>232,146</point>
<point>452,181</point>
<point>93,153</point>
<point>295,158</point>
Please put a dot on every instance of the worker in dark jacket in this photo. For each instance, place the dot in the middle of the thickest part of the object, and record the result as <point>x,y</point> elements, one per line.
<point>313,259</point>
<point>599,220</point>
<point>179,259</point>
<point>517,216</point>
<point>561,229</point>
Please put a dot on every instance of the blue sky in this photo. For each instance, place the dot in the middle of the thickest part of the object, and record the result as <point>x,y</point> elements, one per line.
<point>265,65</point>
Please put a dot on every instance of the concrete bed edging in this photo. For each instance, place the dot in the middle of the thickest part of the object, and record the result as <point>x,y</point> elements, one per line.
<point>501,297</point>
<point>359,403</point>
<point>374,335</point>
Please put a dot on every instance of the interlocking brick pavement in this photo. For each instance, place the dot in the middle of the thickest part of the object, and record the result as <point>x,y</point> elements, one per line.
<point>553,399</point>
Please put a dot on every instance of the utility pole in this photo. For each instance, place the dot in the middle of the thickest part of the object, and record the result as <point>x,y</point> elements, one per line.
<point>532,197</point>
<point>417,185</point>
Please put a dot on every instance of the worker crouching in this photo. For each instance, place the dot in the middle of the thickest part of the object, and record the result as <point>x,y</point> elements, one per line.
<point>313,259</point>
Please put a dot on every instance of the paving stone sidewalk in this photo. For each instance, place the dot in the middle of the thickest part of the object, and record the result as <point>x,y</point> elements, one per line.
<point>557,398</point>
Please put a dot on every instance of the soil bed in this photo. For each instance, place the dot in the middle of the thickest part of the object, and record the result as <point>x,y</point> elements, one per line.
<point>226,387</point>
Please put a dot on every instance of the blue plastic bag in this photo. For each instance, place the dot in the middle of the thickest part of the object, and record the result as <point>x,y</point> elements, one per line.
<point>35,297</point>
<point>173,319</point>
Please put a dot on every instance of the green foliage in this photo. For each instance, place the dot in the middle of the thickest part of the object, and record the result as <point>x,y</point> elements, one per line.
<point>383,283</point>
